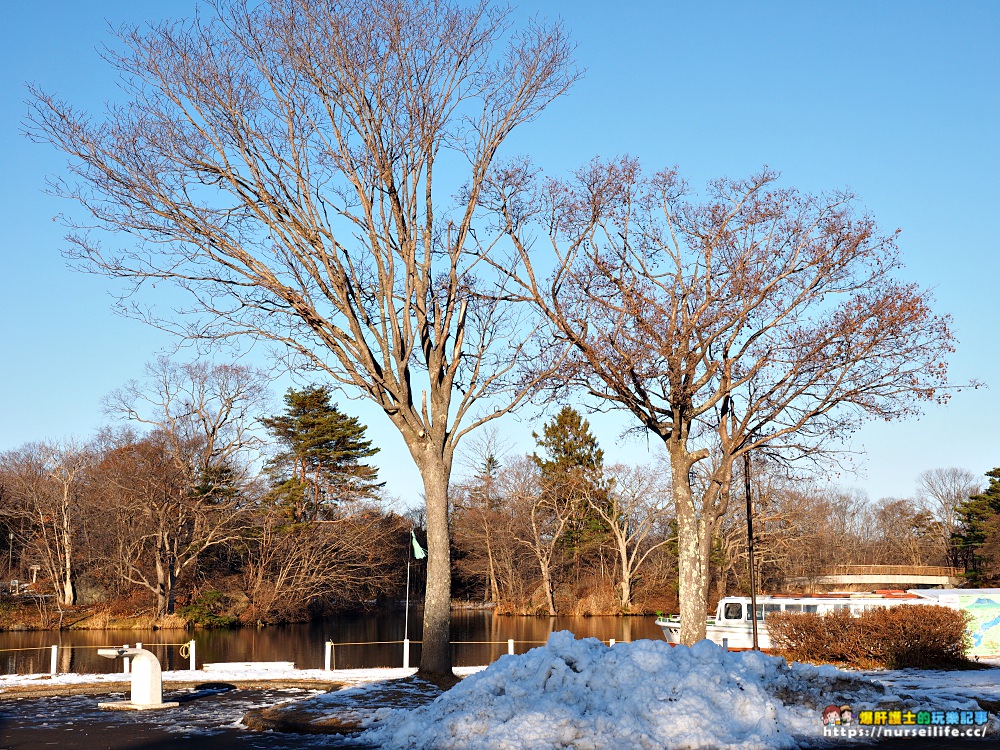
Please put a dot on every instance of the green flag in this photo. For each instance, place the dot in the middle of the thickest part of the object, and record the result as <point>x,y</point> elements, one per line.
<point>418,551</point>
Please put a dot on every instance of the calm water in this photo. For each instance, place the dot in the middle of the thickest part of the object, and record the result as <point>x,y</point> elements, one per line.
<point>478,638</point>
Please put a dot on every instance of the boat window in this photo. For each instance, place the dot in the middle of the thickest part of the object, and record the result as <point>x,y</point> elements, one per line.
<point>841,606</point>
<point>760,612</point>
<point>769,608</point>
<point>793,607</point>
<point>814,608</point>
<point>733,611</point>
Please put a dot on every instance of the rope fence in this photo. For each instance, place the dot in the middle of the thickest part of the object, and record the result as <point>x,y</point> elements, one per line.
<point>330,648</point>
<point>188,650</point>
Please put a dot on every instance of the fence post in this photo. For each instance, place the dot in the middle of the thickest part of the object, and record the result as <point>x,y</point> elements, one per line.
<point>725,643</point>
<point>54,662</point>
<point>406,653</point>
<point>193,661</point>
<point>510,646</point>
<point>328,656</point>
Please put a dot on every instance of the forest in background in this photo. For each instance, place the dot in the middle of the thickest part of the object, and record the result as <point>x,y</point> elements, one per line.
<point>199,507</point>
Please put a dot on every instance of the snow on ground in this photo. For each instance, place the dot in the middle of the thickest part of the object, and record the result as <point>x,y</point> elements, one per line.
<point>583,694</point>
<point>348,677</point>
<point>933,686</point>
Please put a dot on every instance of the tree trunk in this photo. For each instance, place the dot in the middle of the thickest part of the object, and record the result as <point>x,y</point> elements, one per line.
<point>695,532</point>
<point>691,571</point>
<point>69,588</point>
<point>164,587</point>
<point>494,587</point>
<point>626,594</point>
<point>720,583</point>
<point>625,585</point>
<point>547,583</point>
<point>435,656</point>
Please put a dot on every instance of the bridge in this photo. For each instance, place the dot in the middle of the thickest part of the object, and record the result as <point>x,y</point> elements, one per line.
<point>885,576</point>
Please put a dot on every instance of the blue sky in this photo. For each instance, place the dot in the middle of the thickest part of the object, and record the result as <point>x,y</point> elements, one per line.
<point>898,101</point>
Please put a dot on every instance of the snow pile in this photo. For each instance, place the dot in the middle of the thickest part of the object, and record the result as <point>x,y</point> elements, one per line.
<point>582,694</point>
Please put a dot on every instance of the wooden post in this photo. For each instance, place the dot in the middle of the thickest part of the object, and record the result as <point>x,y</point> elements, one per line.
<point>54,662</point>
<point>193,662</point>
<point>406,653</point>
<point>510,646</point>
<point>328,656</point>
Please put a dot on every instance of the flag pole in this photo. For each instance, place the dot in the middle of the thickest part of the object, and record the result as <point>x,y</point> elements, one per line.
<point>406,616</point>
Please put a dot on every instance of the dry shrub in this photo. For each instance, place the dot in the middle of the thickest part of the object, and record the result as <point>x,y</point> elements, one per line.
<point>882,637</point>
<point>594,602</point>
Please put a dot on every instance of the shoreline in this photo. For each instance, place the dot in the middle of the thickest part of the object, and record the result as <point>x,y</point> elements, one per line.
<point>125,623</point>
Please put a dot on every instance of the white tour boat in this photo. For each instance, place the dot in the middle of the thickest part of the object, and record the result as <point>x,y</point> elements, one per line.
<point>733,627</point>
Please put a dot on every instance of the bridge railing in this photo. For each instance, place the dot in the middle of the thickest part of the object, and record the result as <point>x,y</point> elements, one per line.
<point>891,570</point>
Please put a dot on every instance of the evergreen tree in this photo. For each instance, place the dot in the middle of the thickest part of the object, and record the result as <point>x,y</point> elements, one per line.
<point>321,461</point>
<point>978,542</point>
<point>573,471</point>
<point>570,447</point>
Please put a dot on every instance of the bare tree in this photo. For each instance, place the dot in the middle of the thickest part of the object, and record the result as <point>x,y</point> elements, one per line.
<point>287,567</point>
<point>481,520</point>
<point>636,514</point>
<point>177,492</point>
<point>757,317</point>
<point>44,482</point>
<point>544,517</point>
<point>898,531</point>
<point>941,491</point>
<point>282,161</point>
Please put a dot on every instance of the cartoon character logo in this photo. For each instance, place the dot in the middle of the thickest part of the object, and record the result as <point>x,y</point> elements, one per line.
<point>846,715</point>
<point>831,715</point>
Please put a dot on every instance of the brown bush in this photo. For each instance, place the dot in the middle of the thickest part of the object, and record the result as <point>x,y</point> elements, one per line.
<point>883,637</point>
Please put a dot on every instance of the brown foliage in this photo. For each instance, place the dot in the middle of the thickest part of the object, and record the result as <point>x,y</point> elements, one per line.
<point>754,318</point>
<point>887,637</point>
<point>289,568</point>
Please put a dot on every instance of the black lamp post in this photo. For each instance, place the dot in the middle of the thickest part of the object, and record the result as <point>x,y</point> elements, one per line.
<point>750,555</point>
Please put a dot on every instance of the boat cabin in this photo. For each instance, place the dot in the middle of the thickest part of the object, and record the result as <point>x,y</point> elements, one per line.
<point>734,609</point>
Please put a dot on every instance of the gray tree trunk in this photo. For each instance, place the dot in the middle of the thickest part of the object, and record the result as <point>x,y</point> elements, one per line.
<point>435,655</point>
<point>69,587</point>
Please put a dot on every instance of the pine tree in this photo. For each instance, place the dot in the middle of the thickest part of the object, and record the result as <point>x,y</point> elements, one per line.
<point>573,471</point>
<point>978,542</point>
<point>321,464</point>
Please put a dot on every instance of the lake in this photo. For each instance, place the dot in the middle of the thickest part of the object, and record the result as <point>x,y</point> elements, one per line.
<point>361,640</point>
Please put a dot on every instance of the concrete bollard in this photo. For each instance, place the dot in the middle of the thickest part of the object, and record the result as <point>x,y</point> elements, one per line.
<point>406,653</point>
<point>147,680</point>
<point>54,661</point>
<point>126,659</point>
<point>510,646</point>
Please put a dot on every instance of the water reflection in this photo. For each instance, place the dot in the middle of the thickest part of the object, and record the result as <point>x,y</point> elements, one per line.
<point>363,640</point>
